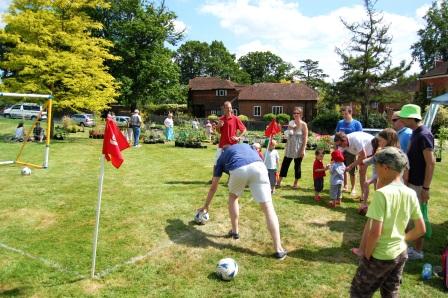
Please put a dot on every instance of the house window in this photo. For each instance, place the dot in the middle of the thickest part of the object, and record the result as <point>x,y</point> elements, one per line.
<point>277,110</point>
<point>257,111</point>
<point>221,92</point>
<point>429,91</point>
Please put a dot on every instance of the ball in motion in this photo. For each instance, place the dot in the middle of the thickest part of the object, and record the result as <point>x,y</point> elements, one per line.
<point>227,269</point>
<point>201,217</point>
<point>26,171</point>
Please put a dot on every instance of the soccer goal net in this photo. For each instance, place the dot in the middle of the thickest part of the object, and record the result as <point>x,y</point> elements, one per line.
<point>35,132</point>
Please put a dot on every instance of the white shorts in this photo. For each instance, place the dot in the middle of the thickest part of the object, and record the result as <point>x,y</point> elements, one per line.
<point>256,176</point>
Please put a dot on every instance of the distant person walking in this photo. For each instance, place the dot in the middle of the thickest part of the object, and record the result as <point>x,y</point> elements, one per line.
<point>136,123</point>
<point>169,127</point>
<point>404,133</point>
<point>297,134</point>
<point>421,163</point>
<point>348,125</point>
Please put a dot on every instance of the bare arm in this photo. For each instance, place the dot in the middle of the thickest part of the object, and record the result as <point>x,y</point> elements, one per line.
<point>358,161</point>
<point>418,230</point>
<point>211,194</point>
<point>372,237</point>
<point>305,138</point>
<point>429,171</point>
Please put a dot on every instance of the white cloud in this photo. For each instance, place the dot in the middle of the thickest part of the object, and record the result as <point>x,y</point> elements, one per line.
<point>279,26</point>
<point>180,26</point>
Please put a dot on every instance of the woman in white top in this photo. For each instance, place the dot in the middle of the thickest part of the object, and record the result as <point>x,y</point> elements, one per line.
<point>20,132</point>
<point>297,134</point>
<point>169,124</point>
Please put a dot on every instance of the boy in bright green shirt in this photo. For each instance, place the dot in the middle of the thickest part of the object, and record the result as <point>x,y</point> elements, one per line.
<point>383,248</point>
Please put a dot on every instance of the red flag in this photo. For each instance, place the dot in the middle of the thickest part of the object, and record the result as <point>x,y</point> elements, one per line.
<point>114,143</point>
<point>272,129</point>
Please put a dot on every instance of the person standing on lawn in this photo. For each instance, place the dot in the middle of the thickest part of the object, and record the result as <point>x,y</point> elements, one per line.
<point>169,127</point>
<point>136,123</point>
<point>297,134</point>
<point>230,127</point>
<point>382,251</point>
<point>245,167</point>
<point>421,163</point>
<point>347,126</point>
<point>404,133</point>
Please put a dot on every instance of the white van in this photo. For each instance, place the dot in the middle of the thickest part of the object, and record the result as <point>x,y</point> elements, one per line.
<point>24,111</point>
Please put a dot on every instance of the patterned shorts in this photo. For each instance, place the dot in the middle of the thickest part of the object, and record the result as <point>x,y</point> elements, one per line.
<point>377,274</point>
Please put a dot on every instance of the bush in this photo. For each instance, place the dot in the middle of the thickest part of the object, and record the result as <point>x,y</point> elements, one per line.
<point>163,109</point>
<point>243,118</point>
<point>269,117</point>
<point>325,123</point>
<point>283,118</point>
<point>376,120</point>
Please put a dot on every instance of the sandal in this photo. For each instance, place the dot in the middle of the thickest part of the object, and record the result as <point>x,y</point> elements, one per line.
<point>233,235</point>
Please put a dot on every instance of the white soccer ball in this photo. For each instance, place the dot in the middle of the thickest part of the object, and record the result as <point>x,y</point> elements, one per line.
<point>201,217</point>
<point>227,269</point>
<point>26,171</point>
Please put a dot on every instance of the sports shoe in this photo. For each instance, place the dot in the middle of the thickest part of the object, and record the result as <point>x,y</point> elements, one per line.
<point>281,255</point>
<point>338,202</point>
<point>353,193</point>
<point>233,235</point>
<point>332,204</point>
<point>317,198</point>
<point>413,254</point>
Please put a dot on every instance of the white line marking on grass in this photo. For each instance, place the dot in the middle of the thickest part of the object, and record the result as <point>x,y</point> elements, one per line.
<point>46,262</point>
<point>163,245</point>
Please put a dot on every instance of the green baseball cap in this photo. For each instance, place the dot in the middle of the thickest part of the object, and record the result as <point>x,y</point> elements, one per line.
<point>410,111</point>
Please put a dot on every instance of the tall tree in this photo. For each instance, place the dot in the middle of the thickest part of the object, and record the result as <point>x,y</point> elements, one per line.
<point>433,43</point>
<point>197,58</point>
<point>139,30</point>
<point>310,72</point>
<point>265,67</point>
<point>47,48</point>
<point>191,57</point>
<point>366,63</point>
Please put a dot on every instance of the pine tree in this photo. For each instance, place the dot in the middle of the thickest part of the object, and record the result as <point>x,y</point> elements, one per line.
<point>48,48</point>
<point>366,63</point>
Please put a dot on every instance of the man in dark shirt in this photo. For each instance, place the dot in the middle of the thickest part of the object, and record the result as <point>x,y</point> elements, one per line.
<point>38,133</point>
<point>421,162</point>
<point>245,167</point>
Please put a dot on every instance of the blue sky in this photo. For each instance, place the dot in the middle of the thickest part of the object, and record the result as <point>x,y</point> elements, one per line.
<point>294,30</point>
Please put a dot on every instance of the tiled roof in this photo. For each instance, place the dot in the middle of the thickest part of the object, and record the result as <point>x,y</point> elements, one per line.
<point>278,91</point>
<point>440,69</point>
<point>210,83</point>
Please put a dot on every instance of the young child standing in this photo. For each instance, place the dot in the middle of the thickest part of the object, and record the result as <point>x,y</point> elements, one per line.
<point>318,173</point>
<point>271,161</point>
<point>337,170</point>
<point>383,249</point>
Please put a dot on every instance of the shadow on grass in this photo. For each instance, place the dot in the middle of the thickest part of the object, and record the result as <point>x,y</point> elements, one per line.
<point>11,292</point>
<point>183,234</point>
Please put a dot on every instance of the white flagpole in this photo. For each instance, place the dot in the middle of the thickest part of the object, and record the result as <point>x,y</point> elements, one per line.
<point>98,211</point>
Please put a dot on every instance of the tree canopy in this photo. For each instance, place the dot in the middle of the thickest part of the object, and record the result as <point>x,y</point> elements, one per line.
<point>366,63</point>
<point>265,67</point>
<point>310,72</point>
<point>47,48</point>
<point>433,43</point>
<point>139,31</point>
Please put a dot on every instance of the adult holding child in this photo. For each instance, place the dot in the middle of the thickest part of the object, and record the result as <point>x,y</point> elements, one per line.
<point>359,144</point>
<point>297,134</point>
<point>348,125</point>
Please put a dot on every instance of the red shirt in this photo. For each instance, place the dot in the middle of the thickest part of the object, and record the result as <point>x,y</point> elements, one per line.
<point>228,130</point>
<point>318,165</point>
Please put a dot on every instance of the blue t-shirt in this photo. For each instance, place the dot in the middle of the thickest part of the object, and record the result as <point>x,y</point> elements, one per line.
<point>234,157</point>
<point>404,135</point>
<point>348,127</point>
<point>421,139</point>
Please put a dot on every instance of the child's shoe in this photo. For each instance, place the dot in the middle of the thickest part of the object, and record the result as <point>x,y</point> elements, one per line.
<point>332,204</point>
<point>317,198</point>
<point>338,202</point>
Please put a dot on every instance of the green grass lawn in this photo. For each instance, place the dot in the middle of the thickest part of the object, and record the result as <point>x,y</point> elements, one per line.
<point>148,245</point>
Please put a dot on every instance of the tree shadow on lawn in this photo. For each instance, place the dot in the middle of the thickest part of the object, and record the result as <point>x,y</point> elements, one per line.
<point>188,235</point>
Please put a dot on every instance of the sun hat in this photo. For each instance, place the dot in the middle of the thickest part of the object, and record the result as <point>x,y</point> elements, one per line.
<point>411,111</point>
<point>136,111</point>
<point>337,156</point>
<point>396,115</point>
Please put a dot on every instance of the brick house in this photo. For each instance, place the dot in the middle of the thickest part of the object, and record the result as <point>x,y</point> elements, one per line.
<point>206,95</point>
<point>435,81</point>
<point>256,100</point>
